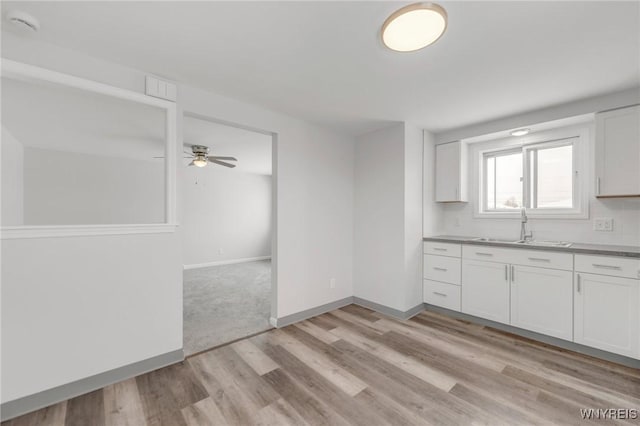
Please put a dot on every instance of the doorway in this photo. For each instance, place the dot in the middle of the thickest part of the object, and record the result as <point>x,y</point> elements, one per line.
<point>228,232</point>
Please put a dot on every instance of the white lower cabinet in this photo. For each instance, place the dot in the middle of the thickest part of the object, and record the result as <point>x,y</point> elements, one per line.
<point>485,290</point>
<point>607,313</point>
<point>593,300</point>
<point>442,294</point>
<point>542,300</point>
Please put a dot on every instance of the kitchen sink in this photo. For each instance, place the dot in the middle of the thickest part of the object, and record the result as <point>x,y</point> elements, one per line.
<point>540,243</point>
<point>494,240</point>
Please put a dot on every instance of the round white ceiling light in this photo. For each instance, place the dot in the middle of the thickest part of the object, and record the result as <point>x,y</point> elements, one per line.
<point>414,26</point>
<point>23,20</point>
<point>520,132</point>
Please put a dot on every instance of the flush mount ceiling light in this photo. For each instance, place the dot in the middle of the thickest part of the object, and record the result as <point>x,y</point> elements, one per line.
<point>520,132</point>
<point>414,26</point>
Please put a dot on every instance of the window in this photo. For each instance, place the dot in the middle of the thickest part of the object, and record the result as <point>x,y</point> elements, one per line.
<point>540,176</point>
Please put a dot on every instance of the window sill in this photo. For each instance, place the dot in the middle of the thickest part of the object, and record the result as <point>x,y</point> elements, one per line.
<point>532,215</point>
<point>54,231</point>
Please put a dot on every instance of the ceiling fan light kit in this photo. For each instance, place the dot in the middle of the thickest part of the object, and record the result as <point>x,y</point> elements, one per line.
<point>201,158</point>
<point>414,27</point>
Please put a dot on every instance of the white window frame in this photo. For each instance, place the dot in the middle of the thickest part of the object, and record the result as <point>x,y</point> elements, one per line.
<point>579,137</point>
<point>29,73</point>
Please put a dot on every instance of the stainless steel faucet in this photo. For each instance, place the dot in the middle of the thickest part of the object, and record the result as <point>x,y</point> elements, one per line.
<point>523,227</point>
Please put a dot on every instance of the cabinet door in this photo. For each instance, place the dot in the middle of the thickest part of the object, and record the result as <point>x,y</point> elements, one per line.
<point>618,152</point>
<point>542,300</point>
<point>448,172</point>
<point>485,290</point>
<point>606,313</point>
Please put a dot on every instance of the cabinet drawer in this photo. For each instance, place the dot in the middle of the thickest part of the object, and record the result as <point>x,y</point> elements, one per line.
<point>442,249</point>
<point>543,259</point>
<point>489,254</point>
<point>442,268</point>
<point>441,294</point>
<point>608,265</point>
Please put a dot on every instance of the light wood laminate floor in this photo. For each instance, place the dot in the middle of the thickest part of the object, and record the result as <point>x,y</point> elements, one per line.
<point>354,366</point>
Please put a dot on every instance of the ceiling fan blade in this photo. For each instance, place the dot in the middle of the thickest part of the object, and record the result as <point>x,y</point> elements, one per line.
<point>191,164</point>
<point>216,157</point>
<point>222,163</point>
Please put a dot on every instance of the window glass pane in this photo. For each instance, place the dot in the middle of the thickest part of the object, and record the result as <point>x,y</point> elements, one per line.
<point>508,181</point>
<point>555,177</point>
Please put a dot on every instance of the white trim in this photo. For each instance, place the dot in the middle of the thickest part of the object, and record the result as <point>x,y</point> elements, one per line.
<point>19,232</point>
<point>226,262</point>
<point>31,73</point>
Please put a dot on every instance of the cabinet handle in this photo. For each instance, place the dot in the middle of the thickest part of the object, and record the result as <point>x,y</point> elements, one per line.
<point>440,269</point>
<point>439,294</point>
<point>598,186</point>
<point>599,265</point>
<point>579,284</point>
<point>539,259</point>
<point>439,249</point>
<point>506,273</point>
<point>513,274</point>
<point>479,253</point>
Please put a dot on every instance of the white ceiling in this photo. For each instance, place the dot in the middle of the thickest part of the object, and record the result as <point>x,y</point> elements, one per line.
<point>253,150</point>
<point>323,61</point>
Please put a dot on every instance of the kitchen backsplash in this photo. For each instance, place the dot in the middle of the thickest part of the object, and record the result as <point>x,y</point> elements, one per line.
<point>457,219</point>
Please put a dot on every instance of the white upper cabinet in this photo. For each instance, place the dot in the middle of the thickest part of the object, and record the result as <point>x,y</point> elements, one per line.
<point>451,172</point>
<point>618,153</point>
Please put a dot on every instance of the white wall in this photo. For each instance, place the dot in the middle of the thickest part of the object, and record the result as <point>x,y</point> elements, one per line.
<point>432,219</point>
<point>119,298</point>
<point>227,215</point>
<point>12,180</point>
<point>413,192</point>
<point>388,217</point>
<point>75,307</point>
<point>68,188</point>
<point>379,217</point>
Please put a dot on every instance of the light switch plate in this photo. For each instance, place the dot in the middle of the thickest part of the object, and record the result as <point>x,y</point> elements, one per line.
<point>160,88</point>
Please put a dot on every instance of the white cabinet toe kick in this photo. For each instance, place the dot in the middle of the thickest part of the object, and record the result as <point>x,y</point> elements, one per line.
<point>591,300</point>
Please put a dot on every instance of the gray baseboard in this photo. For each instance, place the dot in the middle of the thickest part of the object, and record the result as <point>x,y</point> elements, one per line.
<point>303,315</point>
<point>385,310</point>
<point>17,407</point>
<point>564,344</point>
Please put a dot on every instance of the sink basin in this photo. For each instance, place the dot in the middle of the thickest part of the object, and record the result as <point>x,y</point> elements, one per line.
<point>541,243</point>
<point>545,243</point>
<point>493,240</point>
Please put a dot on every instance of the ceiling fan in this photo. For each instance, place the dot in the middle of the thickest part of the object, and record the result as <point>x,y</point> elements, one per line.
<point>200,157</point>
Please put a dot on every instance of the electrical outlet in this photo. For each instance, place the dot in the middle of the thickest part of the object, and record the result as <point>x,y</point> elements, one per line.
<point>332,283</point>
<point>220,251</point>
<point>603,224</point>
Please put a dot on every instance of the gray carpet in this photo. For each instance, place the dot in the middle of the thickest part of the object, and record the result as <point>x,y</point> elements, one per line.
<point>224,303</point>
